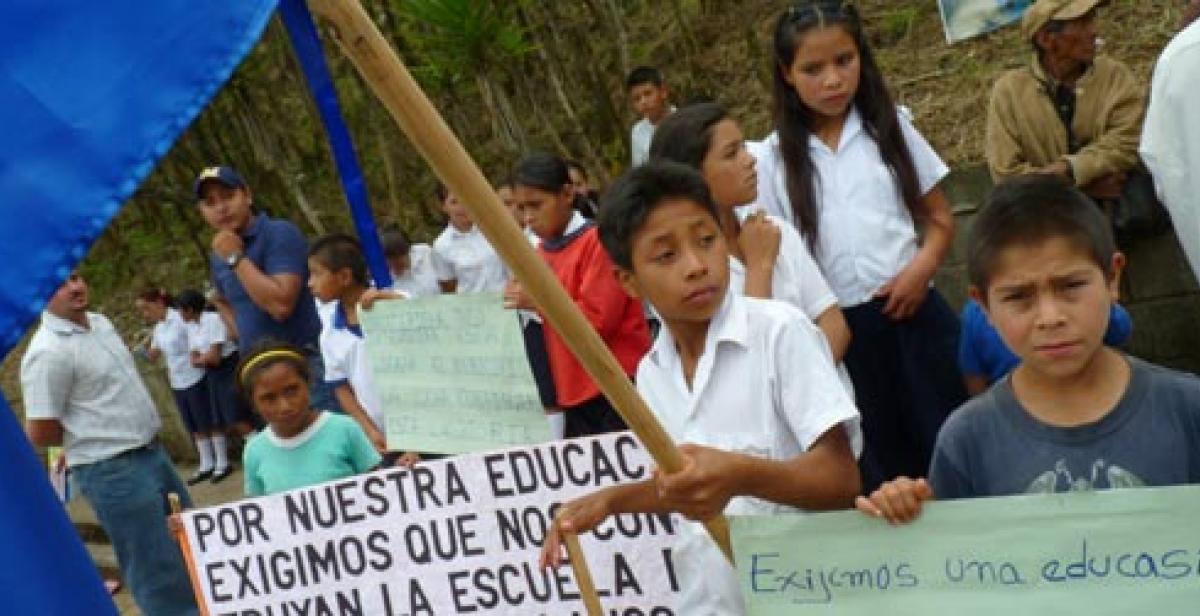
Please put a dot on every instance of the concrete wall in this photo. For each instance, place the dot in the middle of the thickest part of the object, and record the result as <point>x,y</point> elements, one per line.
<point>1158,289</point>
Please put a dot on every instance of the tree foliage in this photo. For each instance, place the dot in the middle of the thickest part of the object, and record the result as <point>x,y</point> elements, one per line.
<point>511,76</point>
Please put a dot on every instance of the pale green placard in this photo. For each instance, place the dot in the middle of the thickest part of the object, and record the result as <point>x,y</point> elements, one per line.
<point>452,374</point>
<point>1127,552</point>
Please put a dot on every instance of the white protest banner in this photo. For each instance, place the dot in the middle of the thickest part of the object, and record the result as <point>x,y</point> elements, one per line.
<point>452,375</point>
<point>453,536</point>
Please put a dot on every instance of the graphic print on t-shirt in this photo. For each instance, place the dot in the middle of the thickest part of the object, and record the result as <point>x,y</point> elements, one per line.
<point>1102,476</point>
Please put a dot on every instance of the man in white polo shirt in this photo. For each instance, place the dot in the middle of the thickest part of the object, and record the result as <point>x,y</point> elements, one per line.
<point>81,389</point>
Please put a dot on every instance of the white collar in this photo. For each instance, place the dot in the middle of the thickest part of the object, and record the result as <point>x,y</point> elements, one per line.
<point>573,225</point>
<point>729,324</point>
<point>852,127</point>
<point>300,439</point>
<point>454,232</point>
<point>63,326</point>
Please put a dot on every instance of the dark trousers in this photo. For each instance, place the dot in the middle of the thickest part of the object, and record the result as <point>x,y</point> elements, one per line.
<point>906,382</point>
<point>595,416</point>
<point>539,363</point>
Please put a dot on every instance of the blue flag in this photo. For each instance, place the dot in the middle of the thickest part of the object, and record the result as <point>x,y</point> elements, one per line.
<point>92,95</point>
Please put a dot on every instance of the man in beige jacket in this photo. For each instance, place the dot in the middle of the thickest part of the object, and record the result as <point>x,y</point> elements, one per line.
<point>1066,85</point>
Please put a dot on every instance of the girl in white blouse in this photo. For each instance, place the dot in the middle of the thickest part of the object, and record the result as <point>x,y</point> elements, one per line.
<point>849,170</point>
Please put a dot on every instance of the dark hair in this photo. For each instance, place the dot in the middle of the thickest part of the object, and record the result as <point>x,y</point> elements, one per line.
<point>686,135</point>
<point>631,199</point>
<point>191,299</point>
<point>644,74</point>
<point>543,171</point>
<point>442,192</point>
<point>577,166</point>
<point>794,121</point>
<point>156,296</point>
<point>338,251</point>
<point>266,353</point>
<point>1030,209</point>
<point>395,242</point>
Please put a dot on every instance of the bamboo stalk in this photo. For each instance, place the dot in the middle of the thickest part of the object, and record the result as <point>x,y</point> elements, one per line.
<point>583,576</point>
<point>391,81</point>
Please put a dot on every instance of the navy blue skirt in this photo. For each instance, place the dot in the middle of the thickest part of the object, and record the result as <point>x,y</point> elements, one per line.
<point>906,383</point>
<point>539,363</point>
<point>228,407</point>
<point>195,407</point>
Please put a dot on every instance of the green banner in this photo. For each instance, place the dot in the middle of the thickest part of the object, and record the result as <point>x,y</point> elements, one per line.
<point>1134,551</point>
<point>452,375</point>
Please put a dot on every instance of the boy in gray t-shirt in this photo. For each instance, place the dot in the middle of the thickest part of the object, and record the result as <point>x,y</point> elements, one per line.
<point>993,446</point>
<point>1075,414</point>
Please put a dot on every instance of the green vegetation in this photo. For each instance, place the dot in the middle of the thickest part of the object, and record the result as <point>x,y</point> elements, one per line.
<point>514,75</point>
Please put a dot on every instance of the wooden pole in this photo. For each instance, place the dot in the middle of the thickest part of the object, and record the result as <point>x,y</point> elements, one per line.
<point>387,76</point>
<point>583,576</point>
<point>188,560</point>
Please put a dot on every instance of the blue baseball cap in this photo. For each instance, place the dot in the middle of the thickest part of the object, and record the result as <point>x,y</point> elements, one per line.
<point>223,174</point>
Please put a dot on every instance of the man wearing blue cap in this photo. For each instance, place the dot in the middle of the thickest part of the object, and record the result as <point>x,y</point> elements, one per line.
<point>260,272</point>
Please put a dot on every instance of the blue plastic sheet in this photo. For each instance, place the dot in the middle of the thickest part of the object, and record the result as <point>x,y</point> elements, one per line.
<point>92,95</point>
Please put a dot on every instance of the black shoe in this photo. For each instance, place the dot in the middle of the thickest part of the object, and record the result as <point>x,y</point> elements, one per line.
<point>219,476</point>
<point>199,476</point>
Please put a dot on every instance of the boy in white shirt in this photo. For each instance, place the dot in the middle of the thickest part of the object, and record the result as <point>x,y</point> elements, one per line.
<point>338,275</point>
<point>650,98</point>
<point>413,267</point>
<point>749,382</point>
<point>466,262</point>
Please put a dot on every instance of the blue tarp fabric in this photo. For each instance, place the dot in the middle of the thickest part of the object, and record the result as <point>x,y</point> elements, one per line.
<point>92,94</point>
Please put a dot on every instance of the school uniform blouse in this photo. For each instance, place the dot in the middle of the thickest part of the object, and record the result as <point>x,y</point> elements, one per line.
<point>171,339</point>
<point>421,279</point>
<point>210,330</point>
<point>466,256</point>
<point>343,349</point>
<point>866,232</point>
<point>795,278</point>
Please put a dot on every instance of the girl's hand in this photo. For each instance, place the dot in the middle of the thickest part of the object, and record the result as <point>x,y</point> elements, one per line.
<point>409,459</point>
<point>516,298</point>
<point>898,501</point>
<point>703,487</point>
<point>370,296</point>
<point>759,242</point>
<point>906,292</point>
<point>576,517</point>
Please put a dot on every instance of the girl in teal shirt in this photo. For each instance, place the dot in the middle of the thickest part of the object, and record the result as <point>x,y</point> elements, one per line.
<point>300,446</point>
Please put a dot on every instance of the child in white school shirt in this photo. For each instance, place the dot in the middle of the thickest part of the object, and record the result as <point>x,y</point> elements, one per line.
<point>338,275</point>
<point>849,170</point>
<point>748,383</point>
<point>465,261</point>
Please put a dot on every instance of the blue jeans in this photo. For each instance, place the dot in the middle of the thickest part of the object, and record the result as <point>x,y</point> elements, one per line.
<point>128,493</point>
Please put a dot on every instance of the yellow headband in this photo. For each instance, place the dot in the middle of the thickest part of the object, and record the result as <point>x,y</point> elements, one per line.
<point>261,357</point>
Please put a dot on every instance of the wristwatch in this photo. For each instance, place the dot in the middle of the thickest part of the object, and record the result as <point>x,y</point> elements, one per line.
<point>233,259</point>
